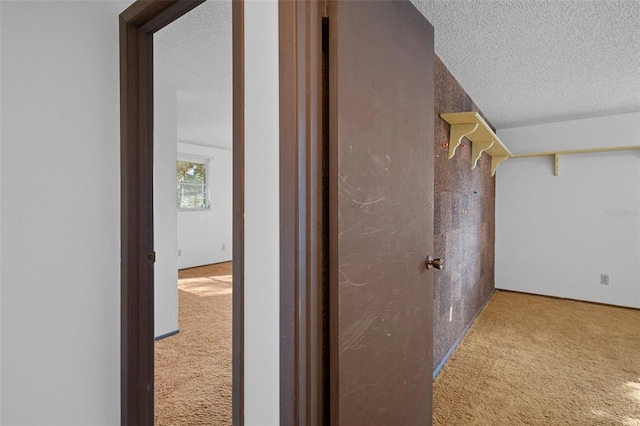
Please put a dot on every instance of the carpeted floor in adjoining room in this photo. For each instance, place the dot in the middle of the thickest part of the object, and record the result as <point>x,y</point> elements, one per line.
<point>193,367</point>
<point>535,360</point>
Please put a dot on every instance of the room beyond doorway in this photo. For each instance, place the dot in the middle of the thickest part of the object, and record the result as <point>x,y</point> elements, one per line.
<point>193,216</point>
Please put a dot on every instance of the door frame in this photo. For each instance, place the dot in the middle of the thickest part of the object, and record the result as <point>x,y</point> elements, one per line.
<point>138,23</point>
<point>304,372</point>
<point>304,331</point>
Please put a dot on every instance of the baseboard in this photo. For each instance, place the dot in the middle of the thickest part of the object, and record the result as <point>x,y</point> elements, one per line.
<point>551,296</point>
<point>459,339</point>
<point>171,333</point>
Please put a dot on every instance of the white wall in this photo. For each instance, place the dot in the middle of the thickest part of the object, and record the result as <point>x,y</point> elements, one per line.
<point>0,217</point>
<point>206,236</point>
<point>555,235</point>
<point>164,211</point>
<point>262,239</point>
<point>60,268</point>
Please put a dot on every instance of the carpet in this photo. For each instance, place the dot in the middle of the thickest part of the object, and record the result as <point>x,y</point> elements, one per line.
<point>527,360</point>
<point>535,360</point>
<point>193,367</point>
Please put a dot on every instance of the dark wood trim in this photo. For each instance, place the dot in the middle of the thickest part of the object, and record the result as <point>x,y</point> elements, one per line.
<point>137,25</point>
<point>288,217</point>
<point>238,213</point>
<point>152,15</point>
<point>301,213</point>
<point>334,355</point>
<point>136,230</point>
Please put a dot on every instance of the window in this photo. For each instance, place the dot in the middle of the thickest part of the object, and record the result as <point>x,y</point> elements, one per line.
<point>193,188</point>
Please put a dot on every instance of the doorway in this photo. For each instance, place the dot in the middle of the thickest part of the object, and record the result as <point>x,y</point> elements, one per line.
<point>303,394</point>
<point>192,61</point>
<point>137,27</point>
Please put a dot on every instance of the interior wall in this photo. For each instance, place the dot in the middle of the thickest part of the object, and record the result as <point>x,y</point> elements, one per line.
<point>262,220</point>
<point>206,236</point>
<point>0,213</point>
<point>464,223</point>
<point>60,265</point>
<point>556,235</point>
<point>165,217</point>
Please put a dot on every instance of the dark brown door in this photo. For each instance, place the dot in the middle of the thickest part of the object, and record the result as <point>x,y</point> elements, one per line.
<point>381,137</point>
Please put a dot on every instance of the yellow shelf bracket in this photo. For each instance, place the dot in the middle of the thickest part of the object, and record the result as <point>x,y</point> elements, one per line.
<point>556,164</point>
<point>457,132</point>
<point>495,162</point>
<point>477,148</point>
<point>481,136</point>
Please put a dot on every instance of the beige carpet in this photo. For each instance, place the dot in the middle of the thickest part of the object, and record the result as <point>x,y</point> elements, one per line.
<point>193,367</point>
<point>527,360</point>
<point>532,360</point>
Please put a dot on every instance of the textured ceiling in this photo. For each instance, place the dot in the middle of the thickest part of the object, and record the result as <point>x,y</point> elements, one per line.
<point>194,56</point>
<point>540,61</point>
<point>523,62</point>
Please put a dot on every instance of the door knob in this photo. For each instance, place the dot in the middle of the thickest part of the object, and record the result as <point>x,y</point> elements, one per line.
<point>432,262</point>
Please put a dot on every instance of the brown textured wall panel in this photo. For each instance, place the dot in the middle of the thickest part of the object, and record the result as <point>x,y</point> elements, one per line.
<point>464,222</point>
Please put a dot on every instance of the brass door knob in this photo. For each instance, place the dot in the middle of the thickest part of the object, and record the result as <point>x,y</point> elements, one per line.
<point>432,262</point>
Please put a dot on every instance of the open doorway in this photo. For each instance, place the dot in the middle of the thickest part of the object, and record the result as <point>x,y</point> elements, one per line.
<point>150,250</point>
<point>193,135</point>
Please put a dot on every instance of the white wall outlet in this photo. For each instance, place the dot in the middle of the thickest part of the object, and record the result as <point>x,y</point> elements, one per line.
<point>223,247</point>
<point>604,279</point>
<point>179,252</point>
<point>450,313</point>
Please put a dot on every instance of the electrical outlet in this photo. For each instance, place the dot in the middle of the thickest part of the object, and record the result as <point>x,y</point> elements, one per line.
<point>450,313</point>
<point>604,279</point>
<point>179,252</point>
<point>224,246</point>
